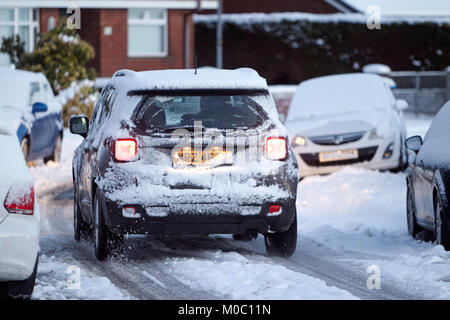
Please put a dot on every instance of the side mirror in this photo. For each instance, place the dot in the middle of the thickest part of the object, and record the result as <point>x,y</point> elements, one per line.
<point>38,107</point>
<point>401,105</point>
<point>414,143</point>
<point>79,125</point>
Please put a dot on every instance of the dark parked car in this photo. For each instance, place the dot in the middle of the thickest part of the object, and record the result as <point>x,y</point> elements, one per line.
<point>36,114</point>
<point>185,152</point>
<point>428,180</point>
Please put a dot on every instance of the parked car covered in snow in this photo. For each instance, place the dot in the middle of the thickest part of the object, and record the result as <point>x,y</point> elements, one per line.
<point>185,152</point>
<point>350,119</point>
<point>428,180</point>
<point>37,114</point>
<point>19,219</point>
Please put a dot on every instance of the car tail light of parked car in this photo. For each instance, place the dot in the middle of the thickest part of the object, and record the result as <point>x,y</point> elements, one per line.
<point>20,201</point>
<point>125,150</point>
<point>276,148</point>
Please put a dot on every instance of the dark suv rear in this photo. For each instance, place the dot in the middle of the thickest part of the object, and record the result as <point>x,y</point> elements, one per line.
<point>181,152</point>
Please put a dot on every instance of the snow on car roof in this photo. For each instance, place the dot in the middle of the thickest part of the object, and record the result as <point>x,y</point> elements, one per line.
<point>204,78</point>
<point>14,89</point>
<point>337,94</point>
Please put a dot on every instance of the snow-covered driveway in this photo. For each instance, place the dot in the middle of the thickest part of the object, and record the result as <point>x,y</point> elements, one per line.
<point>348,222</point>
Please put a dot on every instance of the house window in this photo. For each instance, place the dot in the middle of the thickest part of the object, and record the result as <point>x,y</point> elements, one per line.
<point>147,33</point>
<point>21,21</point>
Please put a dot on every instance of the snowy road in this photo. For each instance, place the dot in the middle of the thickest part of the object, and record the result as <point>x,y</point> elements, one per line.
<point>348,221</point>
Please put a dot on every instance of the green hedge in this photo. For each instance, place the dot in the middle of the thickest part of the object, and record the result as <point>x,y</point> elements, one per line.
<point>289,51</point>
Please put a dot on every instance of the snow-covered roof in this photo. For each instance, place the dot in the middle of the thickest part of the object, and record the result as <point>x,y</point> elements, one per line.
<point>15,87</point>
<point>404,7</point>
<point>205,78</point>
<point>248,19</point>
<point>337,94</point>
<point>111,4</point>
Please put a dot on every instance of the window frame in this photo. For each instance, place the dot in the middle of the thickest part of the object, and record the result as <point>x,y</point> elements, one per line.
<point>32,24</point>
<point>147,21</point>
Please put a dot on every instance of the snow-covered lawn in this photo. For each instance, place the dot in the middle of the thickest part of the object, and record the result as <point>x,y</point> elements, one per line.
<point>358,215</point>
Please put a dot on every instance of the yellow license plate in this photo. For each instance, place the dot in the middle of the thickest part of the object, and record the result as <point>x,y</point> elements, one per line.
<point>339,155</point>
<point>189,156</point>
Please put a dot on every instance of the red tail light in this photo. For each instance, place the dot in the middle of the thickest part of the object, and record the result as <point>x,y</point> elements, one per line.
<point>125,150</point>
<point>276,148</point>
<point>20,201</point>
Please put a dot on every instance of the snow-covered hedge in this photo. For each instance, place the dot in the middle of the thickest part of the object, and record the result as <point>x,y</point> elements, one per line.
<point>291,47</point>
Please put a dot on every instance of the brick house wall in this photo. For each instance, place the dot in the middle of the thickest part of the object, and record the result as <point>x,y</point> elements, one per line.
<point>268,6</point>
<point>111,52</point>
<point>44,16</point>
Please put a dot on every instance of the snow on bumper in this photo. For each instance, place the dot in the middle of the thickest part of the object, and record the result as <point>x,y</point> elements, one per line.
<point>198,201</point>
<point>19,247</point>
<point>236,185</point>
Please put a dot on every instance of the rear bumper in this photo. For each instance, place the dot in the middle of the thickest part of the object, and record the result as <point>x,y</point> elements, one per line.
<point>19,247</point>
<point>211,222</point>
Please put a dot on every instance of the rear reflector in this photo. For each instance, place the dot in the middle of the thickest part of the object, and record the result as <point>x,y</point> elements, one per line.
<point>125,150</point>
<point>275,209</point>
<point>20,201</point>
<point>130,212</point>
<point>276,148</point>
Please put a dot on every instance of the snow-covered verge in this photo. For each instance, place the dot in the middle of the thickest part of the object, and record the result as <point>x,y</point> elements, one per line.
<point>234,276</point>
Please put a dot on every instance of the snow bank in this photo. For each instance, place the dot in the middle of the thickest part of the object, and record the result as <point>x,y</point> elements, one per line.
<point>233,276</point>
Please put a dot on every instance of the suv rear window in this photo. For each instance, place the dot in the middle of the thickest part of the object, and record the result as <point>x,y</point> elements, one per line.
<point>165,112</point>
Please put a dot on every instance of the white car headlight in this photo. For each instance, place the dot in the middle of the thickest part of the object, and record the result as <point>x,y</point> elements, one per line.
<point>374,134</point>
<point>299,141</point>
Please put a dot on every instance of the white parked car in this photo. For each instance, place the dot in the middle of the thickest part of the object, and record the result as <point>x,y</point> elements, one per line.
<point>19,219</point>
<point>349,119</point>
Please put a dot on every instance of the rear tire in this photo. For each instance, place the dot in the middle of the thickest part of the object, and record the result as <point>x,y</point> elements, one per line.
<point>413,227</point>
<point>100,231</point>
<point>442,232</point>
<point>282,244</point>
<point>105,241</point>
<point>56,155</point>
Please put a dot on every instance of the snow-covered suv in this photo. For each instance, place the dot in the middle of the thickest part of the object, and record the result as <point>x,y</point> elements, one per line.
<point>185,152</point>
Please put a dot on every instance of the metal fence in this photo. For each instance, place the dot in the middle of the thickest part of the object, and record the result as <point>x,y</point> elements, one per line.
<point>426,92</point>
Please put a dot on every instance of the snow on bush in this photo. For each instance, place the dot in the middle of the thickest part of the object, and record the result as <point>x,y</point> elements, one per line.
<point>79,98</point>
